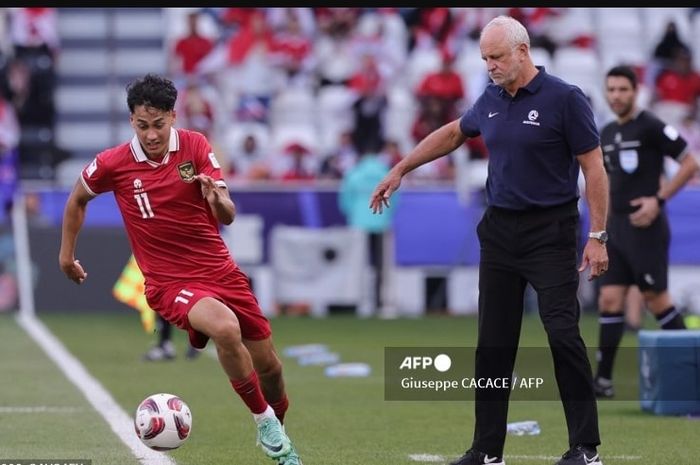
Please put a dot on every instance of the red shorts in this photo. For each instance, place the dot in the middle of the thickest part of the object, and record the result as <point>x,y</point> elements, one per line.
<point>173,302</point>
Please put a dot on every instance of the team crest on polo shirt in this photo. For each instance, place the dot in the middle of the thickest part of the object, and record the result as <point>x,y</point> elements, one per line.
<point>186,171</point>
<point>532,118</point>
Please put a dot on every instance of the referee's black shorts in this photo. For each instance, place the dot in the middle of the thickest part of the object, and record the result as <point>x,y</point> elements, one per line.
<point>638,255</point>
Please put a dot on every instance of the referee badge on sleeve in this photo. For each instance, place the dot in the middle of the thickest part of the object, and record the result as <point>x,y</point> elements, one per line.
<point>186,171</point>
<point>629,160</point>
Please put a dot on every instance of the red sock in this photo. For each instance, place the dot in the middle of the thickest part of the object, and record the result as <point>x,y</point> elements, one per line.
<point>280,407</point>
<point>249,390</point>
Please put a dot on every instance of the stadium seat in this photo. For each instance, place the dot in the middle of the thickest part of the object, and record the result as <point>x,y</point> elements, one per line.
<point>142,61</point>
<point>570,24</point>
<point>695,32</point>
<point>233,137</point>
<point>421,61</point>
<point>400,114</point>
<point>100,50</point>
<point>83,135</point>
<point>73,99</point>
<point>541,57</point>
<point>284,134</point>
<point>620,36</point>
<point>86,62</point>
<point>579,66</point>
<point>472,68</point>
<point>671,112</point>
<point>87,25</point>
<point>334,114</point>
<point>295,105</point>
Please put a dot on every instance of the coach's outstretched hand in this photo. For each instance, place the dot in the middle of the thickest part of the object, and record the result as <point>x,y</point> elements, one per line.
<point>381,194</point>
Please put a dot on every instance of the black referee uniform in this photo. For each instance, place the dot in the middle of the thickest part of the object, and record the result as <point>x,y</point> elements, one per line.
<point>528,234</point>
<point>634,149</point>
<point>634,159</point>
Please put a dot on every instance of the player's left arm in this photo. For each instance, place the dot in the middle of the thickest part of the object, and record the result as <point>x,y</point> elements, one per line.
<point>220,201</point>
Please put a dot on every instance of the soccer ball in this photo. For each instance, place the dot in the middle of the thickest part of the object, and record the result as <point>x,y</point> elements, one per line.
<point>163,421</point>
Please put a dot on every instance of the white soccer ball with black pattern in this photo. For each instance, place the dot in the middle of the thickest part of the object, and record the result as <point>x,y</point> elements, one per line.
<point>163,421</point>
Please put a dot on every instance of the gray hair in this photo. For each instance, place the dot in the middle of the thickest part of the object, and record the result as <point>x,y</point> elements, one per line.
<point>515,31</point>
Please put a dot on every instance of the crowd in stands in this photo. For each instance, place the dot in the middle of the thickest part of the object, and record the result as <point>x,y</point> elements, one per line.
<point>300,93</point>
<point>29,48</point>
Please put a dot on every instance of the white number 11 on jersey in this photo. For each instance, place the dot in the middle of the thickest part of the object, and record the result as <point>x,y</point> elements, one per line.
<point>144,205</point>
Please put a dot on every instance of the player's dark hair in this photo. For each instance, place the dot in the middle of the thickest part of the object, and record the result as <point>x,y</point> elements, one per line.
<point>624,71</point>
<point>152,91</point>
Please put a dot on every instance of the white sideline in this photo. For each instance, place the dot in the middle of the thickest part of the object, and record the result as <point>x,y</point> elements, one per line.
<point>121,423</point>
<point>39,409</point>
<point>633,458</point>
<point>443,459</point>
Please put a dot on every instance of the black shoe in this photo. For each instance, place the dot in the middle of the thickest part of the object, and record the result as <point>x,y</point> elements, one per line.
<point>157,353</point>
<point>474,457</point>
<point>580,455</point>
<point>603,388</point>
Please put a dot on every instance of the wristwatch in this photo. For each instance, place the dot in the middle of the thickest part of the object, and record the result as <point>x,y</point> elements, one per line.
<point>601,236</point>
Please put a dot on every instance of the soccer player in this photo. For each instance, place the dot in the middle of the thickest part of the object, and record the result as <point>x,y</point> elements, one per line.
<point>634,147</point>
<point>170,192</point>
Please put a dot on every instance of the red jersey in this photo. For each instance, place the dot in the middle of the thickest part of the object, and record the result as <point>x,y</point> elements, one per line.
<point>171,228</point>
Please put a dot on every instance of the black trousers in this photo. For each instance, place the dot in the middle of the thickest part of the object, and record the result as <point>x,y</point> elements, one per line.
<point>539,247</point>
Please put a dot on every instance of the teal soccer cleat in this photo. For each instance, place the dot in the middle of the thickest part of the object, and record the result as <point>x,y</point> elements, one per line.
<point>272,439</point>
<point>292,458</point>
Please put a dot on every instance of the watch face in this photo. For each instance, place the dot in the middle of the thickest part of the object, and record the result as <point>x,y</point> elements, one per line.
<point>602,236</point>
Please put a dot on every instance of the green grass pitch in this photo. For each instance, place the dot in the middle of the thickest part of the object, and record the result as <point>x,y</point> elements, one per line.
<point>333,421</point>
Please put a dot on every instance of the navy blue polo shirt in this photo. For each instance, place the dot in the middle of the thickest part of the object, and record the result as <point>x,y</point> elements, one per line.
<point>533,139</point>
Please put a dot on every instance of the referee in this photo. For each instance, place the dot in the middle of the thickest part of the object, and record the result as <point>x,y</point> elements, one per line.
<point>634,147</point>
<point>538,130</point>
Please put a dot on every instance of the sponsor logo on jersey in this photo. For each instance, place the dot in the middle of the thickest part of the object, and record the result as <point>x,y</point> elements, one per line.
<point>186,171</point>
